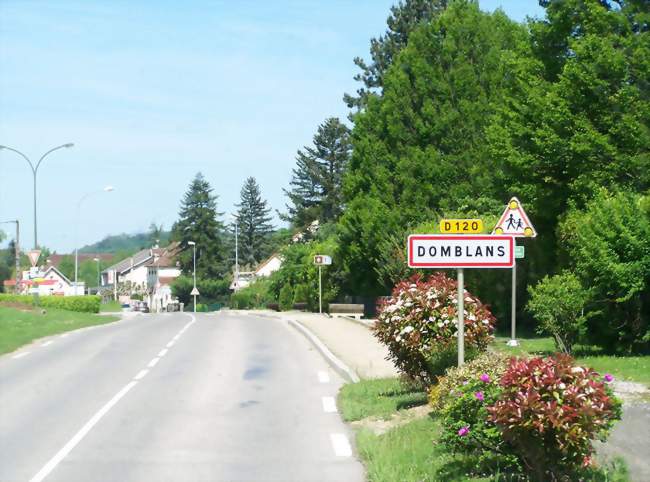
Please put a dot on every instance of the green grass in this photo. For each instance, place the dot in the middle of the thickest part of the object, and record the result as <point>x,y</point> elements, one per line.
<point>628,368</point>
<point>110,307</point>
<point>19,327</point>
<point>378,398</point>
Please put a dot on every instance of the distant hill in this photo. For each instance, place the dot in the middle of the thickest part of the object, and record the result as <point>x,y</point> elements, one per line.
<point>119,243</point>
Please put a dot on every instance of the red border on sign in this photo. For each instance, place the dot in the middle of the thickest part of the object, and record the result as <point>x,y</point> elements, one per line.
<point>506,264</point>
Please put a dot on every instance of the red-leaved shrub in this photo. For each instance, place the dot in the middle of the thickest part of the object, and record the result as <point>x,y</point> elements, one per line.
<point>420,320</point>
<point>550,410</point>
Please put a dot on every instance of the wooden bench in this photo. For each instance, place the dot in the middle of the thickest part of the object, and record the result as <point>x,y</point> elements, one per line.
<point>352,310</point>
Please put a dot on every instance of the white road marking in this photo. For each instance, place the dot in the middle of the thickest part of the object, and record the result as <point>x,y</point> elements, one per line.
<point>64,335</point>
<point>20,355</point>
<point>67,448</point>
<point>153,362</point>
<point>341,445</point>
<point>141,374</point>
<point>170,344</point>
<point>163,352</point>
<point>47,343</point>
<point>323,377</point>
<point>176,337</point>
<point>329,405</point>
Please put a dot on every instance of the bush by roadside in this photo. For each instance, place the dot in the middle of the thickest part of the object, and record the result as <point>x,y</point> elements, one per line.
<point>81,304</point>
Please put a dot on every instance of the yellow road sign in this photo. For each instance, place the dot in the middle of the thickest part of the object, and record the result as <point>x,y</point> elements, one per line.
<point>461,226</point>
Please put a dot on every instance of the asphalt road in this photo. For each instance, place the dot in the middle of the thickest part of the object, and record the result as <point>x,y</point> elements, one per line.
<point>227,397</point>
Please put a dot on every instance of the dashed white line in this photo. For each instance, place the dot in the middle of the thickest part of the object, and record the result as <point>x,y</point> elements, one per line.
<point>61,454</point>
<point>170,344</point>
<point>153,362</point>
<point>163,352</point>
<point>20,355</point>
<point>329,405</point>
<point>141,374</point>
<point>323,377</point>
<point>47,343</point>
<point>341,445</point>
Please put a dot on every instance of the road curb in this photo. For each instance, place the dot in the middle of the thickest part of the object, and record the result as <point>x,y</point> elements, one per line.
<point>336,363</point>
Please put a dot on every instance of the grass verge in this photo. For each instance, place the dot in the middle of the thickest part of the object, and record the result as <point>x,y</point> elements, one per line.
<point>629,368</point>
<point>21,326</point>
<point>378,398</point>
<point>110,307</point>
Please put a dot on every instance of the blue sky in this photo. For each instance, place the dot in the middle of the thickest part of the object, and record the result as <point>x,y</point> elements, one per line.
<point>152,92</point>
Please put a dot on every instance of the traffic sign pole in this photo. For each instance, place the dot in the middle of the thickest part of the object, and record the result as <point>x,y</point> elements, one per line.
<point>320,289</point>
<point>513,306</point>
<point>461,317</point>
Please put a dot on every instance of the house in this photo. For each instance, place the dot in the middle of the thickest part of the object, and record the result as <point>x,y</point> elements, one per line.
<point>272,264</point>
<point>162,270</point>
<point>130,274</point>
<point>49,283</point>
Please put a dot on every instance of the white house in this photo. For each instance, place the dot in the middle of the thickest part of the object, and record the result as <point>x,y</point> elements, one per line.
<point>51,282</point>
<point>269,266</point>
<point>162,270</point>
<point>132,271</point>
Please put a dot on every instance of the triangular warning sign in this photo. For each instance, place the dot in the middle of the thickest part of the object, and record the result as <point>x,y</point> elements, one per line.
<point>515,222</point>
<point>33,256</point>
<point>195,292</point>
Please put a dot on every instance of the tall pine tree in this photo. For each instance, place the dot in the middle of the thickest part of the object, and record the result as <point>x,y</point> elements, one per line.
<point>199,222</point>
<point>316,184</point>
<point>404,18</point>
<point>254,224</point>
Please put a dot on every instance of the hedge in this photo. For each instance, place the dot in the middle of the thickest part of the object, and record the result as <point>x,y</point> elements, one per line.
<point>83,304</point>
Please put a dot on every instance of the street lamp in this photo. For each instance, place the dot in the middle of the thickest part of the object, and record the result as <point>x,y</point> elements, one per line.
<point>236,219</point>
<point>99,276</point>
<point>34,171</point>
<point>193,244</point>
<point>76,249</point>
<point>17,249</point>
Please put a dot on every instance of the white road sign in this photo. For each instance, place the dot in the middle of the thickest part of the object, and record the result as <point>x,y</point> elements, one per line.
<point>33,256</point>
<point>457,251</point>
<point>194,292</point>
<point>322,260</point>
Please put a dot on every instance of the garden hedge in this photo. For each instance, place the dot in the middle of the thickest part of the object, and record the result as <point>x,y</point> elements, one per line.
<point>83,304</point>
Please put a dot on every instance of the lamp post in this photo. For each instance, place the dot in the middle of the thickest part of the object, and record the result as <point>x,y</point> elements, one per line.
<point>193,244</point>
<point>236,219</point>
<point>76,249</point>
<point>99,276</point>
<point>17,249</point>
<point>34,172</point>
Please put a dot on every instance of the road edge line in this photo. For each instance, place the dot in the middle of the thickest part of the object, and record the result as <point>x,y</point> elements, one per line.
<point>335,362</point>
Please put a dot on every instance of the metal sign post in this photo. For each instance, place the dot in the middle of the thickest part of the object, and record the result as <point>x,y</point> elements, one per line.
<point>320,289</point>
<point>321,260</point>
<point>514,221</point>
<point>461,317</point>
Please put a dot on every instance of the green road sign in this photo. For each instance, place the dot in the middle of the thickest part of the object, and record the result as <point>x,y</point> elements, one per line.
<point>519,252</point>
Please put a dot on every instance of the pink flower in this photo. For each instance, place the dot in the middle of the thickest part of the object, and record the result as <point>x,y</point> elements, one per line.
<point>608,378</point>
<point>463,431</point>
<point>480,396</point>
<point>485,378</point>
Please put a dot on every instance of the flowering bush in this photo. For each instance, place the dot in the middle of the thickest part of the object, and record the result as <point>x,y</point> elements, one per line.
<point>419,322</point>
<point>488,366</point>
<point>467,429</point>
<point>549,411</point>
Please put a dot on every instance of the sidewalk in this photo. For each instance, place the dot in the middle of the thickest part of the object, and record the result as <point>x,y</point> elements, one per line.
<point>350,341</point>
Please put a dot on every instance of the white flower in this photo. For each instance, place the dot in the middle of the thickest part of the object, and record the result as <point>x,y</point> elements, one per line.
<point>472,317</point>
<point>407,329</point>
<point>486,322</point>
<point>577,370</point>
<point>440,324</point>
